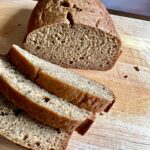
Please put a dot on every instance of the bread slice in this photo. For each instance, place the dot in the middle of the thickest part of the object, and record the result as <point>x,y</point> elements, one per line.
<point>74,34</point>
<point>19,128</point>
<point>37,102</point>
<point>78,90</point>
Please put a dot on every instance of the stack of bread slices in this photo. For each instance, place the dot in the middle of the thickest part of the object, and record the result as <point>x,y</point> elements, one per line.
<point>44,103</point>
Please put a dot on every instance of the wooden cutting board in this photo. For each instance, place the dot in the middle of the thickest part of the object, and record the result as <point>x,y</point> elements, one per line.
<point>127,125</point>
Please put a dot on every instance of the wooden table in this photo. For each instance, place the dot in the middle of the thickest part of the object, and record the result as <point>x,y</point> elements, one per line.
<point>127,125</point>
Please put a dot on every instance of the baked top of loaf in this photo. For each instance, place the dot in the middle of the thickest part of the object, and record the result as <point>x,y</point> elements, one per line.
<point>87,12</point>
<point>19,128</point>
<point>64,83</point>
<point>40,104</point>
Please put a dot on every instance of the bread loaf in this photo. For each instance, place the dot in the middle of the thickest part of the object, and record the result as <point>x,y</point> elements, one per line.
<point>74,34</point>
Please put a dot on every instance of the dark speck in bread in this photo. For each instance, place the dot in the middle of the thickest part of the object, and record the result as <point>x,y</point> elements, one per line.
<point>17,112</point>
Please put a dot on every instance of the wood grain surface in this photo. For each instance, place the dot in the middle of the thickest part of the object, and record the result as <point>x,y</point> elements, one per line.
<point>127,125</point>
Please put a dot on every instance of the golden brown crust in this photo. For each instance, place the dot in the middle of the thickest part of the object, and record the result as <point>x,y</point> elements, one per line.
<point>36,111</point>
<point>85,126</point>
<point>107,109</point>
<point>22,63</point>
<point>61,89</point>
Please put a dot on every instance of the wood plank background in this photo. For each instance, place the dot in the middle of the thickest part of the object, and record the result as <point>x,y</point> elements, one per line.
<point>127,125</point>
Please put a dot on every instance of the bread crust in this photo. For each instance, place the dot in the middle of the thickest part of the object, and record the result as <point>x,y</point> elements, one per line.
<point>66,141</point>
<point>22,63</point>
<point>36,111</point>
<point>44,14</point>
<point>85,126</point>
<point>57,87</point>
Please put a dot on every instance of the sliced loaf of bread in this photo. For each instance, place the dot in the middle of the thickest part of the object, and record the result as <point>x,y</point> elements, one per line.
<point>37,102</point>
<point>74,34</point>
<point>78,90</point>
<point>19,128</point>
